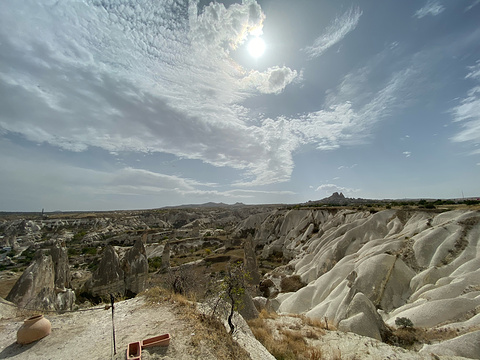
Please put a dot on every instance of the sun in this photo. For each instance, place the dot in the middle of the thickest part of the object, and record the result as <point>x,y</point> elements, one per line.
<point>256,47</point>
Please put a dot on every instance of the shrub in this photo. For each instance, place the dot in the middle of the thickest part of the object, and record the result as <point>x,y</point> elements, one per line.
<point>403,322</point>
<point>73,252</point>
<point>89,250</point>
<point>154,263</point>
<point>79,236</point>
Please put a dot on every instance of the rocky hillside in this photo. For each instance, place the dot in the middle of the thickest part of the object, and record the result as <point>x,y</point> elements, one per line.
<point>365,269</point>
<point>408,277</point>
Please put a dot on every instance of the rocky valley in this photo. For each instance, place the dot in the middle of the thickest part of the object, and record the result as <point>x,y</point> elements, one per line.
<point>407,276</point>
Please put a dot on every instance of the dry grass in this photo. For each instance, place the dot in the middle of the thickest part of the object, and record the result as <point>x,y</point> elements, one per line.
<point>316,323</point>
<point>156,295</point>
<point>411,338</point>
<point>208,331</point>
<point>264,314</point>
<point>290,343</point>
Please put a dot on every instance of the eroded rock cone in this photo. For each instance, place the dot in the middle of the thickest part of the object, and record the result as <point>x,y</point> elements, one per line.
<point>135,266</point>
<point>250,261</point>
<point>60,262</point>
<point>109,277</point>
<point>35,289</point>
<point>166,257</point>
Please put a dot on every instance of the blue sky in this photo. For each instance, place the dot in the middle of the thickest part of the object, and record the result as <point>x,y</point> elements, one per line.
<point>130,104</point>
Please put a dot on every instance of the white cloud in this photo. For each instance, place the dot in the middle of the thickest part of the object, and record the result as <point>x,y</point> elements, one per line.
<point>271,81</point>
<point>334,33</point>
<point>474,71</point>
<point>218,26</point>
<point>153,76</point>
<point>140,178</point>
<point>407,153</point>
<point>432,7</point>
<point>468,112</point>
<point>347,167</point>
<point>474,3</point>
<point>157,76</point>
<point>331,188</point>
<point>340,123</point>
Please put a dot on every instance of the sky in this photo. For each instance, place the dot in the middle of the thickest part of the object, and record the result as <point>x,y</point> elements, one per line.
<point>138,104</point>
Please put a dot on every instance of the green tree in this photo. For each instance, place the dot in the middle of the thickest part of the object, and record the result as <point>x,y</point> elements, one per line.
<point>232,290</point>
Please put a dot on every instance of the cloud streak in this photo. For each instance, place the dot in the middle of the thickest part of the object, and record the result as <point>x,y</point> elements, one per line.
<point>334,33</point>
<point>432,8</point>
<point>467,113</point>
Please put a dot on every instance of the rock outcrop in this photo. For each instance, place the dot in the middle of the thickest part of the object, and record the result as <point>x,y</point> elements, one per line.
<point>135,265</point>
<point>363,269</point>
<point>42,285</point>
<point>166,257</point>
<point>60,264</point>
<point>467,345</point>
<point>120,276</point>
<point>36,287</point>
<point>250,261</point>
<point>109,277</point>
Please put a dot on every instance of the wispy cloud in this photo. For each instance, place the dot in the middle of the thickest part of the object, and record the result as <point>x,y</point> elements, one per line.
<point>341,122</point>
<point>347,166</point>
<point>271,81</point>
<point>331,188</point>
<point>407,153</point>
<point>474,3</point>
<point>334,33</point>
<point>468,112</point>
<point>432,7</point>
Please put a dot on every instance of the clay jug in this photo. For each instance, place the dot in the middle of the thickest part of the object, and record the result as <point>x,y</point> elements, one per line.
<point>33,329</point>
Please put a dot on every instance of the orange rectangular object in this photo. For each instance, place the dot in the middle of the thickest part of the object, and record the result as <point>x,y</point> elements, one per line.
<point>134,351</point>
<point>160,340</point>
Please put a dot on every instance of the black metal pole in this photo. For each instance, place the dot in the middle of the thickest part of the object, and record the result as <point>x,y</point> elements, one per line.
<point>112,300</point>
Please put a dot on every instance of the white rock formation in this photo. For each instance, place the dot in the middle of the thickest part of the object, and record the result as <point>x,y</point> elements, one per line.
<point>416,264</point>
<point>38,288</point>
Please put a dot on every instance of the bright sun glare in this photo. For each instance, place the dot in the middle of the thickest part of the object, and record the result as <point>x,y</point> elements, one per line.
<point>256,47</point>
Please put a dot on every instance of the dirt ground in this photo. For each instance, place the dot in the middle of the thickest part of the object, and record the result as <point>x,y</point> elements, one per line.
<point>89,334</point>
